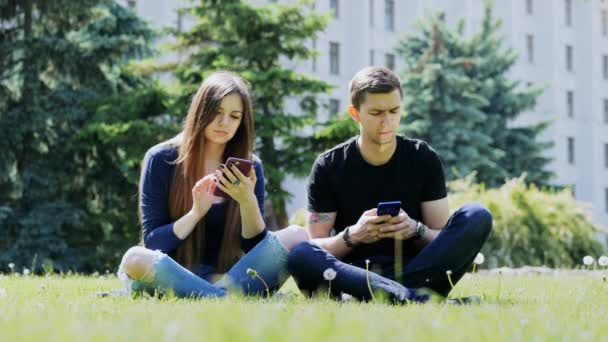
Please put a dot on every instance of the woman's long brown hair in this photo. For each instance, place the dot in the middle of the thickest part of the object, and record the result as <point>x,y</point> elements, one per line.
<point>190,167</point>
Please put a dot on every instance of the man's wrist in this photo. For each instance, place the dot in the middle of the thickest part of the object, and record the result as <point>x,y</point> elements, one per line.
<point>347,238</point>
<point>420,230</point>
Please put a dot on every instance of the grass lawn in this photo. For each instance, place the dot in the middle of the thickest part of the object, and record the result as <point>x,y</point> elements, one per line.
<point>533,307</point>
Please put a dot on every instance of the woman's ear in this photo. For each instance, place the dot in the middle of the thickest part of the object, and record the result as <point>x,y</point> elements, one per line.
<point>354,113</point>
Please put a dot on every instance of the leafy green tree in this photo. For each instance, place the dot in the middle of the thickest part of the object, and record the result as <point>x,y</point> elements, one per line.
<point>254,42</point>
<point>72,118</point>
<point>460,99</point>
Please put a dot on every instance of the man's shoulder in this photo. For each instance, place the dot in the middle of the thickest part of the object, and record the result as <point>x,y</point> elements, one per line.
<point>336,154</point>
<point>415,147</point>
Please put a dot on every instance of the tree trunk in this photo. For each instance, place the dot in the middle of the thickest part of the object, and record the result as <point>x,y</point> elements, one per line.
<point>277,215</point>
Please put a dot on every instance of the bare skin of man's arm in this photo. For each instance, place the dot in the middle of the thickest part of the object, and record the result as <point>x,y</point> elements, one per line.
<point>319,226</point>
<point>366,230</point>
<point>435,215</point>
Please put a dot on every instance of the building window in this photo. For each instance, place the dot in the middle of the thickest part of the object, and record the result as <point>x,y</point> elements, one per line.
<point>390,61</point>
<point>570,103</point>
<point>371,13</point>
<point>334,106</point>
<point>606,156</point>
<point>314,57</point>
<point>570,150</point>
<point>606,111</point>
<point>179,21</point>
<point>530,47</point>
<point>568,12</point>
<point>371,57</point>
<point>569,52</point>
<point>605,23</point>
<point>605,66</point>
<point>529,7</point>
<point>131,3</point>
<point>389,15</point>
<point>334,58</point>
<point>334,5</point>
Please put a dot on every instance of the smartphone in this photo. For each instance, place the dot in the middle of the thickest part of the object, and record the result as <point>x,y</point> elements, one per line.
<point>243,165</point>
<point>388,208</point>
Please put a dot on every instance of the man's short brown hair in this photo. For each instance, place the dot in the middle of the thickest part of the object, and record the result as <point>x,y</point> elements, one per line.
<point>374,80</point>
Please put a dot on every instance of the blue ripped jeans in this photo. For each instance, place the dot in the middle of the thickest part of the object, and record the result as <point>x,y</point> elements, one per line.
<point>268,258</point>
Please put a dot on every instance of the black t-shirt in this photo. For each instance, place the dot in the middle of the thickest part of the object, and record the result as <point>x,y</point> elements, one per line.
<point>342,181</point>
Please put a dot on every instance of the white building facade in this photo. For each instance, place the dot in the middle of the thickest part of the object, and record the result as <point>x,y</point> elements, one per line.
<point>562,44</point>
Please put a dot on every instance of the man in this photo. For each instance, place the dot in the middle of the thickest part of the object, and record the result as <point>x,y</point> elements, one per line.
<point>422,247</point>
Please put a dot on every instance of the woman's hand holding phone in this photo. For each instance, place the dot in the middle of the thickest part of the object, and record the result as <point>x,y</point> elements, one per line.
<point>235,184</point>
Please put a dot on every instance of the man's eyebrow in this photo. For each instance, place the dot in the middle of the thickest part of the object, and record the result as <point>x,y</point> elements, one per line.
<point>382,109</point>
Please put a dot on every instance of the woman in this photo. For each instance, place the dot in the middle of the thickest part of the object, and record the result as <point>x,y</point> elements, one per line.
<point>203,233</point>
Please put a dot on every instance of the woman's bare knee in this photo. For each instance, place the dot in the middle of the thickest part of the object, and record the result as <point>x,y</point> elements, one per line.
<point>137,262</point>
<point>292,236</point>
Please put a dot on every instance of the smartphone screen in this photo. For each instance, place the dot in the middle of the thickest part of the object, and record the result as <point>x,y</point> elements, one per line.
<point>388,208</point>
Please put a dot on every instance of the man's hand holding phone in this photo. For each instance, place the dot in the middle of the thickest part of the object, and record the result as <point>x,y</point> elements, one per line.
<point>367,229</point>
<point>400,227</point>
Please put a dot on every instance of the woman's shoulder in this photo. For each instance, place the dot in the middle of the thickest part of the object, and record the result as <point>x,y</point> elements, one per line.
<point>165,153</point>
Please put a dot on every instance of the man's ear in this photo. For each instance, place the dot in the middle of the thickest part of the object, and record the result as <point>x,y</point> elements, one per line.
<point>354,113</point>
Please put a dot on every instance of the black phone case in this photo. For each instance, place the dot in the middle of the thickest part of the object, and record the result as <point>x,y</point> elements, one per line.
<point>388,208</point>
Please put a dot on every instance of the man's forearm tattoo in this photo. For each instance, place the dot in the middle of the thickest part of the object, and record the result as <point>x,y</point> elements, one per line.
<point>319,218</point>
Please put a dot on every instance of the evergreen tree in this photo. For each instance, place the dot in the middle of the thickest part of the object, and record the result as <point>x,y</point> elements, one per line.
<point>67,103</point>
<point>254,42</point>
<point>460,99</point>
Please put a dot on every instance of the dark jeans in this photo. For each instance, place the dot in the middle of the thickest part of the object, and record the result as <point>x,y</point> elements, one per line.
<point>453,249</point>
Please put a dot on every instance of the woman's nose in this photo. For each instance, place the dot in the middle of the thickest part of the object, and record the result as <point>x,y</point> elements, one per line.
<point>224,119</point>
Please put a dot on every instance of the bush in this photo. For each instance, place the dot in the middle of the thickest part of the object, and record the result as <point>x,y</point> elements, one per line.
<point>531,226</point>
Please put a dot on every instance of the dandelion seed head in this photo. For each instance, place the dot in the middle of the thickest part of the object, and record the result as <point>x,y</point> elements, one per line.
<point>26,271</point>
<point>11,265</point>
<point>448,272</point>
<point>603,261</point>
<point>329,274</point>
<point>251,272</point>
<point>367,262</point>
<point>479,259</point>
<point>588,260</point>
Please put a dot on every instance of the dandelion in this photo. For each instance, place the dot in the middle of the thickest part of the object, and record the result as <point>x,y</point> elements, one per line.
<point>588,261</point>
<point>26,272</point>
<point>449,274</point>
<point>479,259</point>
<point>329,275</point>
<point>254,274</point>
<point>603,261</point>
<point>11,266</point>
<point>369,286</point>
<point>499,279</point>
